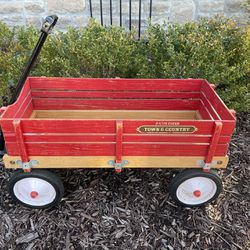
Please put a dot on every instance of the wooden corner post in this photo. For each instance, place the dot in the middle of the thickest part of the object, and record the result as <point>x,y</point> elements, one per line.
<point>213,145</point>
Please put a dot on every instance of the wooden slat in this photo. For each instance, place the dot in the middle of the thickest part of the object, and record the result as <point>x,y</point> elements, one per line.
<point>210,108</point>
<point>119,142</point>
<point>63,126</point>
<point>63,149</point>
<point>108,126</point>
<point>205,115</point>
<point>116,84</point>
<point>214,142</point>
<point>102,162</point>
<point>216,102</point>
<point>63,138</point>
<point>25,109</point>
<point>129,104</point>
<point>168,149</point>
<point>173,138</point>
<point>114,94</point>
<point>7,126</point>
<point>21,146</point>
<point>115,114</point>
<point>20,104</point>
<point>108,149</point>
<point>46,137</point>
<point>228,127</point>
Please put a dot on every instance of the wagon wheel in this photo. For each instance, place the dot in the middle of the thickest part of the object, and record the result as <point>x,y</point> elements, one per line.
<point>36,189</point>
<point>194,188</point>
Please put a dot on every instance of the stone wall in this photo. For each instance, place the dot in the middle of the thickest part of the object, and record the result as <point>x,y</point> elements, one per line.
<point>77,12</point>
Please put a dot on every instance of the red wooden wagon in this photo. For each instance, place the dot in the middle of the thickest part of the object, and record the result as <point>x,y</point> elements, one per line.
<point>116,123</point>
<point>120,123</point>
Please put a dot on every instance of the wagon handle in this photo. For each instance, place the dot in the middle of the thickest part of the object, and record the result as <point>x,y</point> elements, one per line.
<point>49,23</point>
<point>47,26</point>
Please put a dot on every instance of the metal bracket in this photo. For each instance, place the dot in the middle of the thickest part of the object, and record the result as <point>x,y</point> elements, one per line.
<point>27,165</point>
<point>206,166</point>
<point>118,166</point>
<point>49,23</point>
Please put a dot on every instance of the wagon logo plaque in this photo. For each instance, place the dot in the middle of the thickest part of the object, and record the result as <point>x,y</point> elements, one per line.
<point>152,129</point>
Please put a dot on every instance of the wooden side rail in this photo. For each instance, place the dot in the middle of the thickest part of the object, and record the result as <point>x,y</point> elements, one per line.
<point>103,161</point>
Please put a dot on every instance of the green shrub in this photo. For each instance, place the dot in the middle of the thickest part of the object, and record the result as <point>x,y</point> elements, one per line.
<point>214,49</point>
<point>247,5</point>
<point>15,48</point>
<point>238,95</point>
<point>6,44</point>
<point>94,51</point>
<point>211,49</point>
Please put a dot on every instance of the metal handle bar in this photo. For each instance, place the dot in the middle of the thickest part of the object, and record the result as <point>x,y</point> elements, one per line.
<point>47,26</point>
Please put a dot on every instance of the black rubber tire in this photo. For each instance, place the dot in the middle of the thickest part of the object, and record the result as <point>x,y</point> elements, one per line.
<point>46,175</point>
<point>188,174</point>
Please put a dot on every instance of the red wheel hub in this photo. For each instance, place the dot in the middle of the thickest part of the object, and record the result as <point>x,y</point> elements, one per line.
<point>197,193</point>
<point>33,194</point>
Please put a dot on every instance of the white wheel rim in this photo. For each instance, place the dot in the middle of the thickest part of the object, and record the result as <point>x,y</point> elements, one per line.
<point>196,190</point>
<point>34,191</point>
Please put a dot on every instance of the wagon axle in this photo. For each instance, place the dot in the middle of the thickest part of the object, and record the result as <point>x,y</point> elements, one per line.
<point>197,193</point>
<point>33,194</point>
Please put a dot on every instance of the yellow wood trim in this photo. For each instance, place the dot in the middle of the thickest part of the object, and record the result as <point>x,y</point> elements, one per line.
<point>198,116</point>
<point>117,114</point>
<point>33,114</point>
<point>102,161</point>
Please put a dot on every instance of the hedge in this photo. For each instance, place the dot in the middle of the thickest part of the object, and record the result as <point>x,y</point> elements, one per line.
<point>214,49</point>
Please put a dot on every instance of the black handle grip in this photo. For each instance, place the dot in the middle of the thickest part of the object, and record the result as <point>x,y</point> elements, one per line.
<point>49,23</point>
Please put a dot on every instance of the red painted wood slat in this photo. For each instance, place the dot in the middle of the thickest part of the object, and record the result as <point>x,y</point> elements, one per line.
<point>21,146</point>
<point>27,112</point>
<point>20,103</point>
<point>25,109</point>
<point>216,102</point>
<point>108,149</point>
<point>214,142</point>
<point>115,94</point>
<point>111,138</point>
<point>107,126</point>
<point>63,126</point>
<point>119,142</point>
<point>209,107</point>
<point>204,112</point>
<point>115,84</point>
<point>128,104</point>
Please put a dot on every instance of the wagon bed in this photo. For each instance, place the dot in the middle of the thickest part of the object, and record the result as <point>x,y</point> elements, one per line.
<point>168,123</point>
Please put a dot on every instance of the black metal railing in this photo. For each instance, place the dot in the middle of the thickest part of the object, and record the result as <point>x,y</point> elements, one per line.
<point>111,13</point>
